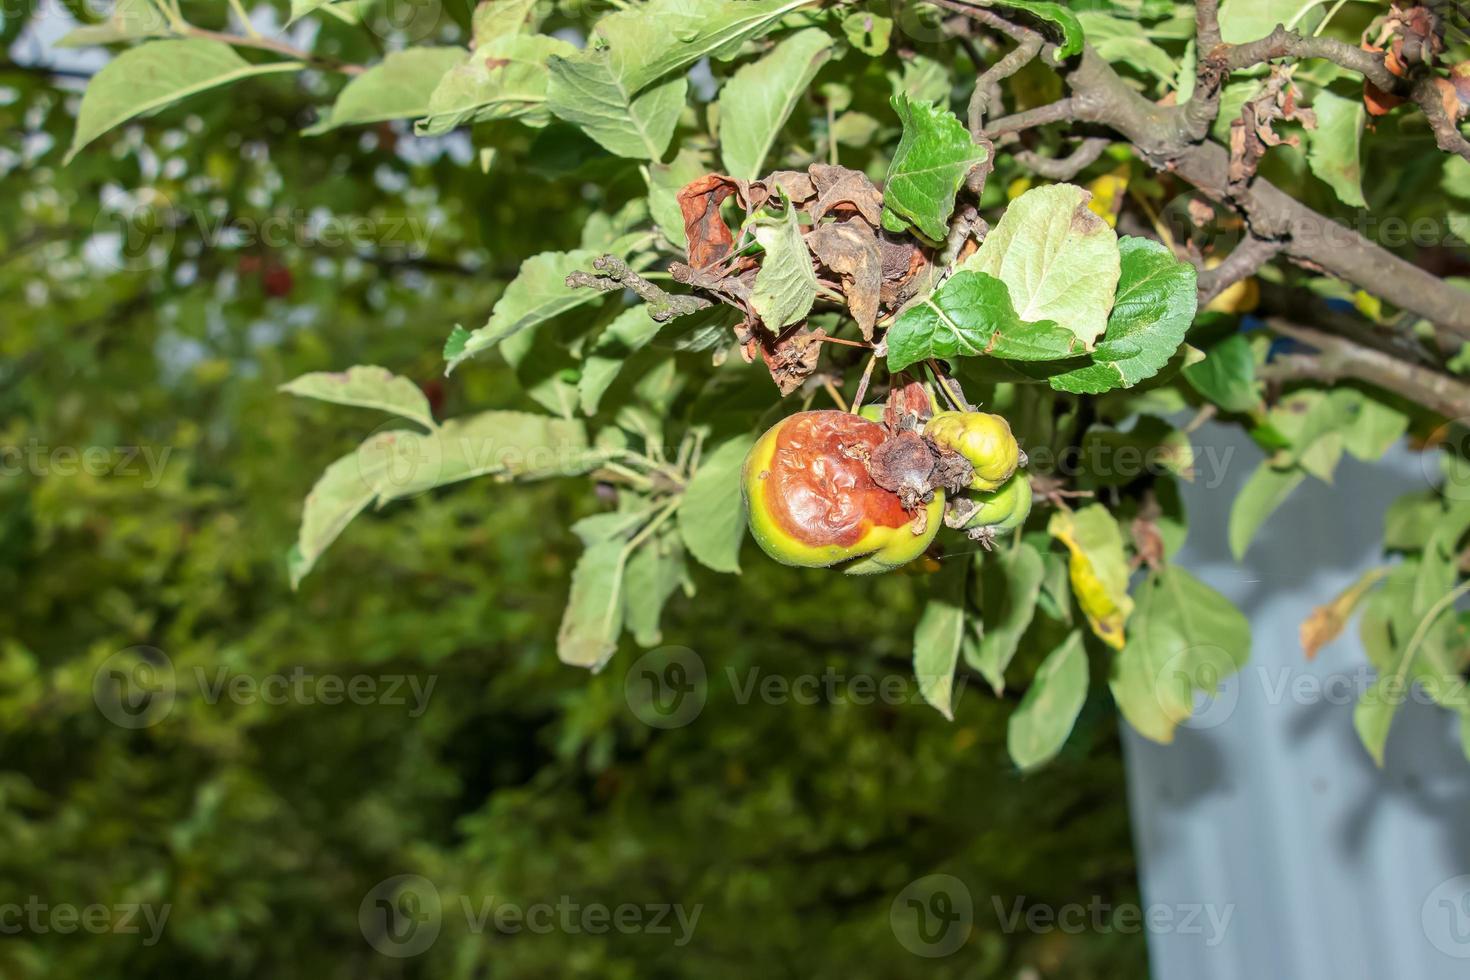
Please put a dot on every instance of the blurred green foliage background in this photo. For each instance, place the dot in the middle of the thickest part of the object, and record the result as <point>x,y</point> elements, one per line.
<point>261,828</point>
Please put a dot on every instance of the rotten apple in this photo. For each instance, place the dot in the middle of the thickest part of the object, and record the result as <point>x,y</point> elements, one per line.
<point>983,439</point>
<point>811,499</point>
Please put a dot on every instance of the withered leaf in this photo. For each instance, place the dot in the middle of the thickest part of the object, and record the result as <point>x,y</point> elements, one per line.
<point>1326,622</point>
<point>1254,131</point>
<point>843,190</point>
<point>792,357</point>
<point>795,185</point>
<point>710,239</point>
<point>902,263</point>
<point>850,249</point>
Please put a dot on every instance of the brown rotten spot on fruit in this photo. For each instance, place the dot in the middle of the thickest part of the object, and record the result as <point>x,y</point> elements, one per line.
<point>811,499</point>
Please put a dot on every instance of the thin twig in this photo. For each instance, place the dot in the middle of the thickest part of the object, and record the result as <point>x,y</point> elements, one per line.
<point>862,389</point>
<point>1065,168</point>
<point>834,393</point>
<point>1338,358</point>
<point>616,276</point>
<point>1063,110</point>
<point>1244,261</point>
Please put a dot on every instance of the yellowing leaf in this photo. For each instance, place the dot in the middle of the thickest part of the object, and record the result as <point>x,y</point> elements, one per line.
<point>1108,194</point>
<point>1098,569</point>
<point>1326,622</point>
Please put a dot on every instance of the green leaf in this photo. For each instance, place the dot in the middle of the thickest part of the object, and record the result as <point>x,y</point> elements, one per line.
<point>1152,312</point>
<point>1373,430</point>
<point>970,315</point>
<point>593,618</point>
<point>712,516</point>
<point>937,636</point>
<point>584,92</point>
<point>658,38</point>
<point>1266,490</point>
<point>1456,177</point>
<point>869,33</point>
<point>653,573</point>
<point>130,20</point>
<point>1373,716</point>
<point>758,100</point>
<point>1335,147</point>
<point>1055,13</point>
<point>344,490</point>
<point>346,11</point>
<point>1121,41</point>
<point>933,156</point>
<point>618,524</point>
<point>1010,584</point>
<point>367,386</point>
<point>155,74</point>
<point>538,293</point>
<point>1039,726</point>
<point>504,445</point>
<point>786,285</point>
<point>1314,424</point>
<point>1410,520</point>
<point>623,338</point>
<point>505,79</point>
<point>1060,261</point>
<point>398,87</point>
<point>546,368</point>
<point>1110,457</point>
<point>665,180</point>
<point>498,18</point>
<point>1243,21</point>
<point>1227,375</point>
<point>1183,637</point>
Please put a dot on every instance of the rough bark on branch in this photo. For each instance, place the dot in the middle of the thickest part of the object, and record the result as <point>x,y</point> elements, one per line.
<point>1161,135</point>
<point>1339,358</point>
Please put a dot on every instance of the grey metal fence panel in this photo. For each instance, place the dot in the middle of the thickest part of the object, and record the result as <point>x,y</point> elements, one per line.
<point>1266,810</point>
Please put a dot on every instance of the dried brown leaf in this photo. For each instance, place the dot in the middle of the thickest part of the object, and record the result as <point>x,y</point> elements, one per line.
<point>850,249</point>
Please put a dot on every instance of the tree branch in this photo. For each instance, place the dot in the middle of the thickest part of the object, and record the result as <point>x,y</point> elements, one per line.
<point>616,276</point>
<point>1062,110</point>
<point>1282,43</point>
<point>1339,358</point>
<point>1066,167</point>
<point>990,79</point>
<point>1161,136</point>
<point>1243,261</point>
